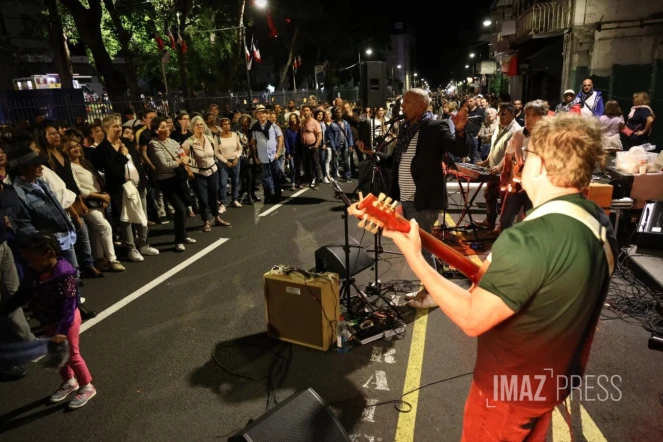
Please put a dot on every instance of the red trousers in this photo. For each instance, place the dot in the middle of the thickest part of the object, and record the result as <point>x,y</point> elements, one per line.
<point>76,366</point>
<point>486,420</point>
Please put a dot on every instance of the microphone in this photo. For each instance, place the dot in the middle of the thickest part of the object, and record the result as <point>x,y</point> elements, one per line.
<point>395,119</point>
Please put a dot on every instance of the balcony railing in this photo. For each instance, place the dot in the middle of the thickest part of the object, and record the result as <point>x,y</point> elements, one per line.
<point>544,18</point>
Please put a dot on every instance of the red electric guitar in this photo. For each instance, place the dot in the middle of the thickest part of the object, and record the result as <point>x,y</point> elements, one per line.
<point>380,212</point>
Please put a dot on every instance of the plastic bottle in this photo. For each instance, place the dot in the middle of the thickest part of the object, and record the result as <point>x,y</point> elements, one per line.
<point>643,167</point>
<point>342,335</point>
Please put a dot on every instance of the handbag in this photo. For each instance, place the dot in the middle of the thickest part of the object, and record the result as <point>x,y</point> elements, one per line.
<point>183,171</point>
<point>627,131</point>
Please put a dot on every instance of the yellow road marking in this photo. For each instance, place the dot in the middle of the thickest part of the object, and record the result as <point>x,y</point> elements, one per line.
<point>559,426</point>
<point>406,421</point>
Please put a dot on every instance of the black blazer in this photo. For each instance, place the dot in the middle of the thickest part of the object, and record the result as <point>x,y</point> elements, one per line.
<point>113,165</point>
<point>435,140</point>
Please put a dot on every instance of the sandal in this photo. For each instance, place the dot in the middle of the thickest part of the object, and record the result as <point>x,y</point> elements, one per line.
<point>207,227</point>
<point>222,223</point>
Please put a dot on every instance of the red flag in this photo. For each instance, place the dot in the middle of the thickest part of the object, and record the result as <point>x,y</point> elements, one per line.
<point>248,54</point>
<point>299,61</point>
<point>273,33</point>
<point>256,53</point>
<point>159,41</point>
<point>182,43</point>
<point>172,40</point>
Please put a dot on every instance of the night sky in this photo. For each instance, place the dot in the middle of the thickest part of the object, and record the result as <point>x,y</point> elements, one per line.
<point>445,31</point>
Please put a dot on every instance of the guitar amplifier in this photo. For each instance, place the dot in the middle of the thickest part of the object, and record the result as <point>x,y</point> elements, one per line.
<point>601,194</point>
<point>302,309</point>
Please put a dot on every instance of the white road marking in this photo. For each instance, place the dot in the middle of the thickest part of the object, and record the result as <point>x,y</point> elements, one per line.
<point>276,206</point>
<point>388,354</point>
<point>149,286</point>
<point>368,415</point>
<point>380,381</point>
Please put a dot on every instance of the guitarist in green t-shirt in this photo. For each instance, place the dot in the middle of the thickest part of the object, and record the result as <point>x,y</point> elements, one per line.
<point>536,307</point>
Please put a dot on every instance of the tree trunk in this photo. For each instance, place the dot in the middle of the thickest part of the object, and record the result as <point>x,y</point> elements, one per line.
<point>61,55</point>
<point>291,54</point>
<point>240,46</point>
<point>124,37</point>
<point>88,23</point>
<point>184,9</point>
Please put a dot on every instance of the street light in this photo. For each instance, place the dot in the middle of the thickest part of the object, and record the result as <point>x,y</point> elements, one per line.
<point>487,23</point>
<point>467,66</point>
<point>369,51</point>
<point>392,77</point>
<point>399,66</point>
<point>262,4</point>
<point>472,55</point>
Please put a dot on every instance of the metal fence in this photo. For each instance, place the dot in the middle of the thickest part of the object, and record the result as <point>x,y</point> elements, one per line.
<point>69,107</point>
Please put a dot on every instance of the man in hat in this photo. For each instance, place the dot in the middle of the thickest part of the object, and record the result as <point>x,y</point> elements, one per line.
<point>565,105</point>
<point>267,141</point>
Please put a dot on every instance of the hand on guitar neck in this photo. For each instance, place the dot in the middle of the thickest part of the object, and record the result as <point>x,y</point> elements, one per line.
<point>380,213</point>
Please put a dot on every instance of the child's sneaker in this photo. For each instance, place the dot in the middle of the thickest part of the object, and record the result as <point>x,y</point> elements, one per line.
<point>65,390</point>
<point>84,394</point>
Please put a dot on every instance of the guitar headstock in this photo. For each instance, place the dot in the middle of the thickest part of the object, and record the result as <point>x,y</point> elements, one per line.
<point>380,212</point>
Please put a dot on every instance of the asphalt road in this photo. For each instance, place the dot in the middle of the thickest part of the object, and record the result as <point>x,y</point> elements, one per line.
<point>153,366</point>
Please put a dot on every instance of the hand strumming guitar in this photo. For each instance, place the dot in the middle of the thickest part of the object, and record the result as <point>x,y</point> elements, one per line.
<point>460,119</point>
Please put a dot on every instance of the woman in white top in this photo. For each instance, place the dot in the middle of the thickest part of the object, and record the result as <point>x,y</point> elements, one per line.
<point>90,184</point>
<point>612,123</point>
<point>202,149</point>
<point>229,156</point>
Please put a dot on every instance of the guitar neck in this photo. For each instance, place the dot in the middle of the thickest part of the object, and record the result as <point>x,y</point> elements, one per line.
<point>451,256</point>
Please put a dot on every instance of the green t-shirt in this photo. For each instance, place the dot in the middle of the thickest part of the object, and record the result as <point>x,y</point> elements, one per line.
<point>552,272</point>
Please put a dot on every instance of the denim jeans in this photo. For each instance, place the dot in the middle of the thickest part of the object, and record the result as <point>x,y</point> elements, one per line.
<point>512,204</point>
<point>323,161</point>
<point>333,166</point>
<point>207,189</point>
<point>18,328</point>
<point>83,246</point>
<point>271,178</point>
<point>294,178</point>
<point>346,154</point>
<point>426,220</point>
<point>224,171</point>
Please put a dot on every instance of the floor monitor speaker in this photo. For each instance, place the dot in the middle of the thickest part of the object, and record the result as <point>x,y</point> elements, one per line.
<point>303,417</point>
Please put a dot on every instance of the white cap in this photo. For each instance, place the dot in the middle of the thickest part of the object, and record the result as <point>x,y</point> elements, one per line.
<point>569,91</point>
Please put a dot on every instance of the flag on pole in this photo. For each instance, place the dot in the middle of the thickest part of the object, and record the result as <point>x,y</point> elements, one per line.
<point>159,41</point>
<point>165,56</point>
<point>248,66</point>
<point>182,43</point>
<point>248,54</point>
<point>297,63</point>
<point>172,39</point>
<point>256,53</point>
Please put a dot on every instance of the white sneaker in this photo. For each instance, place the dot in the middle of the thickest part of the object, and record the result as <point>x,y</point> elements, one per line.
<point>180,248</point>
<point>189,241</point>
<point>135,256</point>
<point>222,209</point>
<point>236,204</point>
<point>148,250</point>
<point>326,180</point>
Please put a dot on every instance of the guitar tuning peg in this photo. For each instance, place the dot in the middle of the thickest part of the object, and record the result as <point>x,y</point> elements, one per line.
<point>388,201</point>
<point>361,196</point>
<point>362,223</point>
<point>375,229</point>
<point>381,197</point>
<point>393,205</point>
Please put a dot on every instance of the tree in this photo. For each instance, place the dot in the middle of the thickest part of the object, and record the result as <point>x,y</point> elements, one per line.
<point>58,39</point>
<point>89,24</point>
<point>124,37</point>
<point>291,56</point>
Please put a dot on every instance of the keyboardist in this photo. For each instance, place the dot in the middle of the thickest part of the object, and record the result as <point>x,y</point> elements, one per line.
<point>507,126</point>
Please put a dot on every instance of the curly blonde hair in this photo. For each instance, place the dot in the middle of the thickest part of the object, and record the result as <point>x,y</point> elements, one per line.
<point>570,147</point>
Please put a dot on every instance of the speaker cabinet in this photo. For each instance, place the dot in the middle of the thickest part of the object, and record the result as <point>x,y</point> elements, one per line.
<point>373,88</point>
<point>331,258</point>
<point>650,227</point>
<point>303,417</point>
<point>301,310</point>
